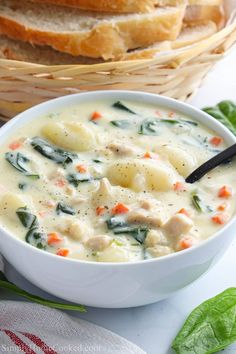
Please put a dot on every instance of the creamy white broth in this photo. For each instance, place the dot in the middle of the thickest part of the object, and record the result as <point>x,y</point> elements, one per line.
<point>120,194</point>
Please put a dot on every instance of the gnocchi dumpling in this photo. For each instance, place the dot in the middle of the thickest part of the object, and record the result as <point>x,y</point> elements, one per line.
<point>70,135</point>
<point>9,203</point>
<point>183,162</point>
<point>113,253</point>
<point>157,176</point>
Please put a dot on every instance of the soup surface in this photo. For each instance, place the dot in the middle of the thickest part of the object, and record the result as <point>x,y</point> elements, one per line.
<point>106,182</point>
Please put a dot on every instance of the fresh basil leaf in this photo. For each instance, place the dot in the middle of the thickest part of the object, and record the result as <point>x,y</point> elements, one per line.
<point>63,208</point>
<point>209,328</point>
<point>122,107</point>
<point>76,179</point>
<point>225,113</point>
<point>36,238</point>
<point>52,152</point>
<point>19,162</point>
<point>5,284</point>
<point>122,124</point>
<point>27,219</point>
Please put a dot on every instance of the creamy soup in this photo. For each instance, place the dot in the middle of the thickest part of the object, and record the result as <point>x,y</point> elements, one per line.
<point>105,182</point>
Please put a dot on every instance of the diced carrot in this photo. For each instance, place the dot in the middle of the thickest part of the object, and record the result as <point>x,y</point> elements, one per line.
<point>42,213</point>
<point>222,207</point>
<point>179,187</point>
<point>63,252</point>
<point>184,211</point>
<point>216,140</point>
<point>171,114</point>
<point>15,145</point>
<point>186,242</point>
<point>220,219</point>
<point>54,238</point>
<point>158,113</point>
<point>96,115</point>
<point>147,155</point>
<point>49,203</point>
<point>225,192</point>
<point>150,155</point>
<point>120,209</point>
<point>60,182</point>
<point>81,168</point>
<point>100,210</point>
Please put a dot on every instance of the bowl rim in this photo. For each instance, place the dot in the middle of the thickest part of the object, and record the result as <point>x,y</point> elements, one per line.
<point>166,102</point>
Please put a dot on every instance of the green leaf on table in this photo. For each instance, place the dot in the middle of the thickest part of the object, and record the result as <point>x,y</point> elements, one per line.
<point>225,113</point>
<point>209,328</point>
<point>5,284</point>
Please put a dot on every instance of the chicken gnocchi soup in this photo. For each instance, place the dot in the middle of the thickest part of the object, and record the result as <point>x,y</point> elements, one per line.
<point>106,182</point>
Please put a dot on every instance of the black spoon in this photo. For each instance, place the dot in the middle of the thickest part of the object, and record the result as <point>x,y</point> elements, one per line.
<point>223,156</point>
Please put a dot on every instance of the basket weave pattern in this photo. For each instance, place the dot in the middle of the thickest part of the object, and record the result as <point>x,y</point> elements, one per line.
<point>177,73</point>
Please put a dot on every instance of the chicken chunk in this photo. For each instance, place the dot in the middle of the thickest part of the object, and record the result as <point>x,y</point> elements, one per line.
<point>177,225</point>
<point>98,243</point>
<point>159,251</point>
<point>155,237</point>
<point>104,192</point>
<point>142,217</point>
<point>121,150</point>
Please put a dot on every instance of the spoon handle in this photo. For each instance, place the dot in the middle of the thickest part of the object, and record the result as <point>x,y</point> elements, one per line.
<point>209,165</point>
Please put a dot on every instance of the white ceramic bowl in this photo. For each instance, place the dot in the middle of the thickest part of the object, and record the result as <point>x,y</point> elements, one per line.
<point>115,285</point>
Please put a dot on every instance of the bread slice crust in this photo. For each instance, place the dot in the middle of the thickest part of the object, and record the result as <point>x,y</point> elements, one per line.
<point>108,37</point>
<point>125,6</point>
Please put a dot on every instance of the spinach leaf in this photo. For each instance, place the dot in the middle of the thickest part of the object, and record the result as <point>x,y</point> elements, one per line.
<point>27,219</point>
<point>122,107</point>
<point>52,152</point>
<point>150,126</point>
<point>199,205</point>
<point>19,162</point>
<point>210,328</point>
<point>118,226</point>
<point>33,236</point>
<point>36,238</point>
<point>5,284</point>
<point>77,178</point>
<point>122,124</point>
<point>224,112</point>
<point>97,161</point>
<point>63,208</point>
<point>22,186</point>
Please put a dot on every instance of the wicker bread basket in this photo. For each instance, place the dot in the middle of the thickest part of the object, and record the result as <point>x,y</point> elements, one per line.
<point>177,73</point>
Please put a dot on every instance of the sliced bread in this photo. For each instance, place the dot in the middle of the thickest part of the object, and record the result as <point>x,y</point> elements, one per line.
<point>188,36</point>
<point>125,5</point>
<point>17,50</point>
<point>89,34</point>
<point>196,14</point>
